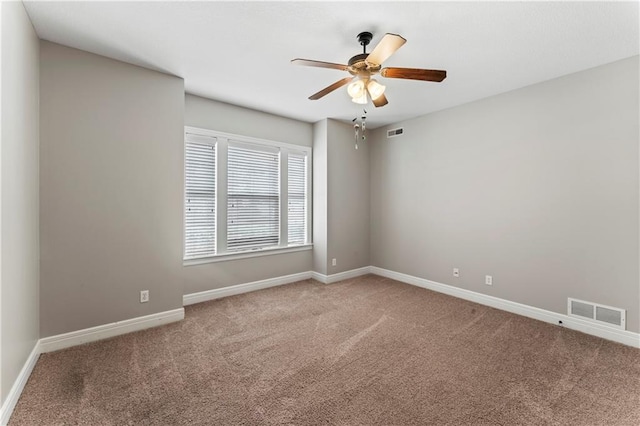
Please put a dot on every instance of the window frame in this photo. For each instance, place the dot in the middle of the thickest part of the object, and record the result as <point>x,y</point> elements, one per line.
<point>221,181</point>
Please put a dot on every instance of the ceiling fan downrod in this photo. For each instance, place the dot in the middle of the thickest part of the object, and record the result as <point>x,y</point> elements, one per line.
<point>364,38</point>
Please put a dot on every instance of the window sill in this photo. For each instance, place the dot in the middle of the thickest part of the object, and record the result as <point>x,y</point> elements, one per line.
<point>246,254</point>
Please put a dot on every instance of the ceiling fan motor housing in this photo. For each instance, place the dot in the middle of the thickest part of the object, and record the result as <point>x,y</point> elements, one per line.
<point>357,60</point>
<point>359,66</point>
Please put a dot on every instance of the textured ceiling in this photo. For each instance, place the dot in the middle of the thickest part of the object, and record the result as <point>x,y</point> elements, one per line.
<point>239,52</point>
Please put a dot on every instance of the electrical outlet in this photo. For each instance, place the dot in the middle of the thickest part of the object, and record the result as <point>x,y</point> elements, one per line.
<point>456,272</point>
<point>488,280</point>
<point>144,296</point>
<point>334,262</point>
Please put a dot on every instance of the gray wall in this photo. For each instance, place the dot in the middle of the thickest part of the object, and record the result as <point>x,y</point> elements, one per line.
<point>348,199</point>
<point>213,115</point>
<point>320,201</point>
<point>111,192</point>
<point>223,117</point>
<point>19,250</point>
<point>341,198</point>
<point>538,187</point>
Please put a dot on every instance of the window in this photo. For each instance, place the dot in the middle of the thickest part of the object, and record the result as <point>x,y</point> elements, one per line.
<point>297,203</point>
<point>244,195</point>
<point>253,197</point>
<point>200,197</point>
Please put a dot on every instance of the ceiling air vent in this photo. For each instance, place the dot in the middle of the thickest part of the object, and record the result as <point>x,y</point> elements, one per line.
<point>597,313</point>
<point>395,132</point>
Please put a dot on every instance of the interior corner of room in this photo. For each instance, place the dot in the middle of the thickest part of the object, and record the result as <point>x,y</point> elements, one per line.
<point>533,195</point>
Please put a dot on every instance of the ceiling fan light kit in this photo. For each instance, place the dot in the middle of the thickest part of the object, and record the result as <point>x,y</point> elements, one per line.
<point>375,89</point>
<point>361,90</point>
<point>356,89</point>
<point>361,100</point>
<point>361,86</point>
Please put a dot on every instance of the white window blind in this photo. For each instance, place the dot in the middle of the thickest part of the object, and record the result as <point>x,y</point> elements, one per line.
<point>297,203</point>
<point>253,197</point>
<point>200,197</point>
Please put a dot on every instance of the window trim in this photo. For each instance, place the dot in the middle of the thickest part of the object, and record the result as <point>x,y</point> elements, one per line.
<point>247,254</point>
<point>222,141</point>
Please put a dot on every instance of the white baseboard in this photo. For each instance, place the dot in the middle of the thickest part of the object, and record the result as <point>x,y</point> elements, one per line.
<point>16,390</point>
<point>319,277</point>
<point>334,278</point>
<point>610,333</point>
<point>217,293</point>
<point>74,338</point>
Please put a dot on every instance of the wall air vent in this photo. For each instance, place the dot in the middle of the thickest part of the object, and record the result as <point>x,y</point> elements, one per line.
<point>395,132</point>
<point>595,312</point>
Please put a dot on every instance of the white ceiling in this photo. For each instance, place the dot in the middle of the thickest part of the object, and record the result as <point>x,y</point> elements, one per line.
<point>239,52</point>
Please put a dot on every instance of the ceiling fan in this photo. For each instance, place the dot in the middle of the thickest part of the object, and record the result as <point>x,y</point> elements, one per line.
<point>365,65</point>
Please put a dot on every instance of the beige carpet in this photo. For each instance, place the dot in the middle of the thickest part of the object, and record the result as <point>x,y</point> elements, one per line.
<point>368,351</point>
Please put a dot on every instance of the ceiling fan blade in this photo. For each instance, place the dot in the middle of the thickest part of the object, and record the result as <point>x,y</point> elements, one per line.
<point>380,101</point>
<point>319,64</point>
<point>387,47</point>
<point>414,74</point>
<point>331,88</point>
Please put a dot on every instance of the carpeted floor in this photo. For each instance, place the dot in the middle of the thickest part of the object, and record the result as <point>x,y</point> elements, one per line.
<point>367,351</point>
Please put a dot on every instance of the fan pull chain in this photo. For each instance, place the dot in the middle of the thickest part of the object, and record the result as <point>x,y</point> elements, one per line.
<point>357,127</point>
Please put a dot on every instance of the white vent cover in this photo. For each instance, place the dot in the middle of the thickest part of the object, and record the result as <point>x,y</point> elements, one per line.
<point>597,313</point>
<point>395,132</point>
